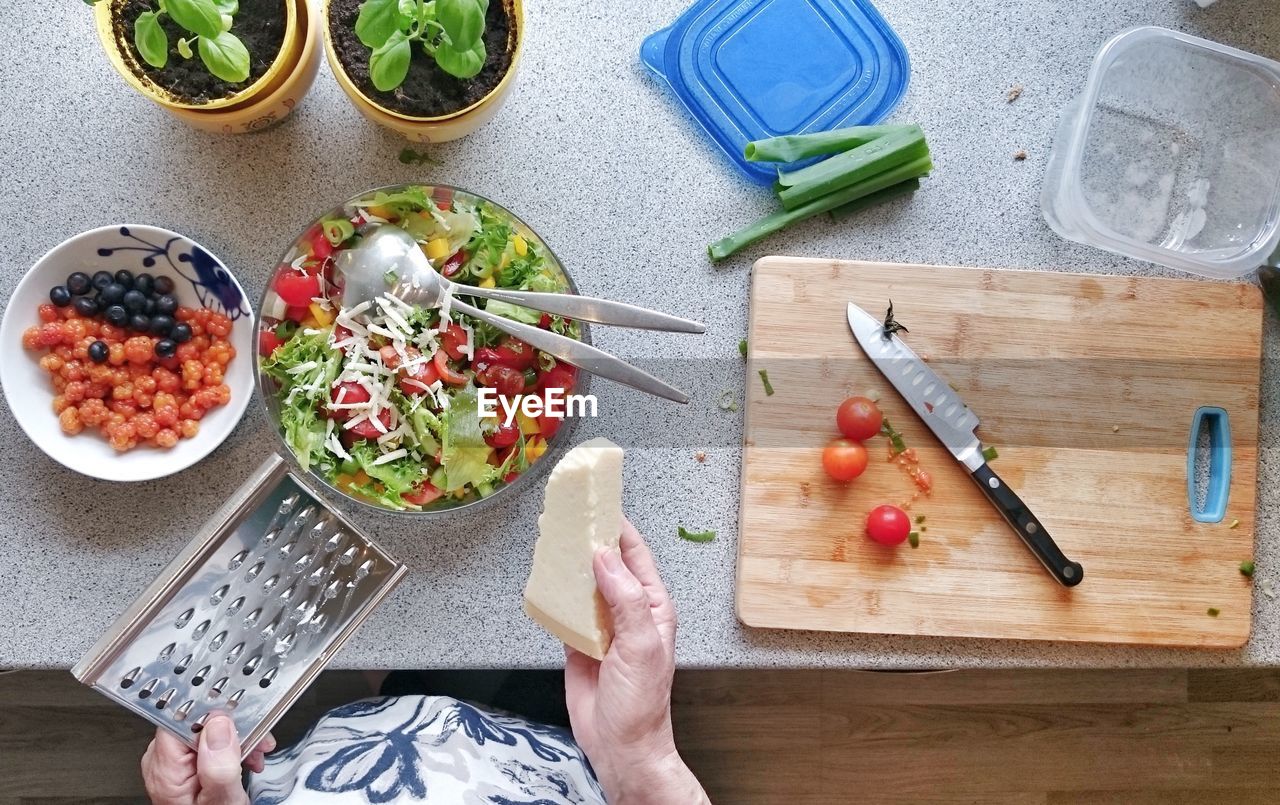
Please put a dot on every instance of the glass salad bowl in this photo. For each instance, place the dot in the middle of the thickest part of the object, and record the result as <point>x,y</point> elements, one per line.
<point>384,403</point>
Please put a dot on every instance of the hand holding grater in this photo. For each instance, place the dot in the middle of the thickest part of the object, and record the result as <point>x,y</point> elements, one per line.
<point>247,615</point>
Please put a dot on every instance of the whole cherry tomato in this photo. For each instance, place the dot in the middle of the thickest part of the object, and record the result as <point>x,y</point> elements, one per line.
<point>888,525</point>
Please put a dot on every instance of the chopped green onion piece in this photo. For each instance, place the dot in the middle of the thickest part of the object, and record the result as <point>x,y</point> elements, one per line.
<point>989,454</point>
<point>768,387</point>
<point>285,329</point>
<point>848,169</point>
<point>337,230</point>
<point>742,347</point>
<point>895,438</point>
<point>795,147</point>
<point>913,539</point>
<point>879,197</point>
<point>1247,567</point>
<point>727,402</point>
<point>390,277</point>
<point>695,536</point>
<point>1214,612</point>
<point>772,223</point>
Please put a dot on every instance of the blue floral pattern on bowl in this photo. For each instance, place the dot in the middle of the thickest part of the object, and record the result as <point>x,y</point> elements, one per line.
<point>213,286</point>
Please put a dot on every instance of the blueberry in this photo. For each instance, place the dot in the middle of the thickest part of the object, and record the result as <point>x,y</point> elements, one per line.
<point>181,332</point>
<point>134,301</point>
<point>166,304</point>
<point>150,307</point>
<point>145,283</point>
<point>85,306</point>
<point>98,351</point>
<point>164,285</point>
<point>166,347</point>
<point>117,315</point>
<point>100,303</point>
<point>79,283</point>
<point>113,293</point>
<point>139,323</point>
<point>125,278</point>
<point>162,325</point>
<point>102,279</point>
<point>59,295</point>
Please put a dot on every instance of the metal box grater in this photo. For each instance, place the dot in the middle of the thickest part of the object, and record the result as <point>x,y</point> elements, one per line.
<point>247,615</point>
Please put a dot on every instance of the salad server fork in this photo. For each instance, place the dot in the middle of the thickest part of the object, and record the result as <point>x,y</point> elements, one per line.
<point>389,248</point>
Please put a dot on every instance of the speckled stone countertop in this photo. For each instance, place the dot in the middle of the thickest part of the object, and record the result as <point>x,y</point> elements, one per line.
<point>593,154</point>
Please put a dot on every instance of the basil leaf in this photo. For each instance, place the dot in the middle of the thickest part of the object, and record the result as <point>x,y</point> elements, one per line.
<point>184,49</point>
<point>389,64</point>
<point>150,40</point>
<point>225,56</point>
<point>227,21</point>
<point>378,20</point>
<point>461,64</point>
<point>200,17</point>
<point>463,22</point>
<point>227,6</point>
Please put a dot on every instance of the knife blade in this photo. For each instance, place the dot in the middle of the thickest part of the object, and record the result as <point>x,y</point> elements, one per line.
<point>941,409</point>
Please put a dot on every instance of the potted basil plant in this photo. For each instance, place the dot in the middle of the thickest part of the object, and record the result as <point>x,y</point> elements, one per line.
<point>431,69</point>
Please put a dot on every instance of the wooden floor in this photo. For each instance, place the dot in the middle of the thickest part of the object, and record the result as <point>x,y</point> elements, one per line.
<point>993,737</point>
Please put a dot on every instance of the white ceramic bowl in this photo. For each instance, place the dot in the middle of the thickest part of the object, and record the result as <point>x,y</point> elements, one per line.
<point>202,281</point>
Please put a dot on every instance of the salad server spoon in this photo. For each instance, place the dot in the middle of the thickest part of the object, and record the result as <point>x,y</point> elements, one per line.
<point>364,269</point>
<point>389,247</point>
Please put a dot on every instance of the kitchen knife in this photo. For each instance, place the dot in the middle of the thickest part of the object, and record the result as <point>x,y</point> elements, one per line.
<point>935,402</point>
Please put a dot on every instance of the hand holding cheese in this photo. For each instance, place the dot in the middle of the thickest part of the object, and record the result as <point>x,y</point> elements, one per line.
<point>581,513</point>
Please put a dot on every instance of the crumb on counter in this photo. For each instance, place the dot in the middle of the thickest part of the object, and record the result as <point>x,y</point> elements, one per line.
<point>1020,155</point>
<point>1115,428</point>
<point>700,457</point>
<point>1013,93</point>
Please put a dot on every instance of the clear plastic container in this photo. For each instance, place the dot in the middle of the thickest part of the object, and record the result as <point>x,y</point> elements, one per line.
<point>1171,154</point>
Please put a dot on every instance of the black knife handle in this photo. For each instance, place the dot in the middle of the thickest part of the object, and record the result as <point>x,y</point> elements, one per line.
<point>1011,507</point>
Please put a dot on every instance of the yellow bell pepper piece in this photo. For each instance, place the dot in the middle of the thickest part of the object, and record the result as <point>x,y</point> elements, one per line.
<point>487,282</point>
<point>528,425</point>
<point>323,317</point>
<point>522,248</point>
<point>438,248</point>
<point>381,211</point>
<point>309,323</point>
<point>534,449</point>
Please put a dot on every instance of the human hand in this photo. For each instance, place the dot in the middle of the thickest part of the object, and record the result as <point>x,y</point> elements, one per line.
<point>620,708</point>
<point>174,774</point>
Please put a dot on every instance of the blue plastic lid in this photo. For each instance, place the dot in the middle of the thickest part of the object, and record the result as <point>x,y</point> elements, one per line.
<point>750,69</point>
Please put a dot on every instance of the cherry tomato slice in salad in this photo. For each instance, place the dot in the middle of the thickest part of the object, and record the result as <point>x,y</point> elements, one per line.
<point>346,394</point>
<point>365,429</point>
<point>297,313</point>
<point>452,341</point>
<point>415,380</point>
<point>858,418</point>
<point>844,459</point>
<point>507,381</point>
<point>516,354</point>
<point>454,263</point>
<point>441,361</point>
<point>423,495</point>
<point>559,376</point>
<point>888,525</point>
<point>505,435</point>
<point>267,342</point>
<point>297,290</point>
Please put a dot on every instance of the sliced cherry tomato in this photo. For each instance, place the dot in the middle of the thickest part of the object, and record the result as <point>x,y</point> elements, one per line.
<point>321,248</point>
<point>504,435</point>
<point>888,525</point>
<point>507,381</point>
<point>414,381</point>
<point>267,342</point>
<point>484,358</point>
<point>545,321</point>
<point>390,358</point>
<point>340,333</point>
<point>517,354</point>
<point>297,290</point>
<point>454,263</point>
<point>367,430</point>
<point>423,495</point>
<point>348,393</point>
<point>297,313</point>
<point>509,477</point>
<point>844,459</point>
<point>560,376</point>
<point>441,361</point>
<point>858,418</point>
<point>453,340</point>
<point>548,425</point>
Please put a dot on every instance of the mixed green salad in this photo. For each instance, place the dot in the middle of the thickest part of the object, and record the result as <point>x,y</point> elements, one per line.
<point>383,400</point>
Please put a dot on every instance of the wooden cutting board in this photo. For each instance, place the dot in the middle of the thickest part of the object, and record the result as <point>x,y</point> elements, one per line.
<point>1086,385</point>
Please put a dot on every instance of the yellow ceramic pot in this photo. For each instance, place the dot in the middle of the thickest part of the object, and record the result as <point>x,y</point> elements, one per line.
<point>127,65</point>
<point>278,100</point>
<point>431,129</point>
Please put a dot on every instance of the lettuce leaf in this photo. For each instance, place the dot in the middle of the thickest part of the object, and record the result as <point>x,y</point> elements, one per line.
<point>464,454</point>
<point>514,312</point>
<point>304,428</point>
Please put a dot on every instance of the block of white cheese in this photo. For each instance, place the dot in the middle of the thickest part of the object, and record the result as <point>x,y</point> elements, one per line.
<point>581,513</point>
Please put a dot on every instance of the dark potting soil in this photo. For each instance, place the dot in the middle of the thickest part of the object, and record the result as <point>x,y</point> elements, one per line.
<point>260,25</point>
<point>427,91</point>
